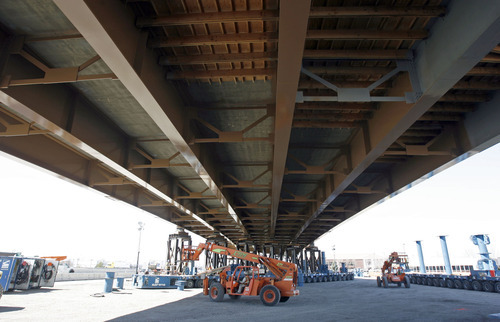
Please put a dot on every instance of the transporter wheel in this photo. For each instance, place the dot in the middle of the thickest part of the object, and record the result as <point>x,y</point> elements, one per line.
<point>419,280</point>
<point>497,287</point>
<point>216,292</point>
<point>1,291</point>
<point>379,281</point>
<point>467,285</point>
<point>476,286</point>
<point>430,281</point>
<point>329,278</point>
<point>442,282</point>
<point>309,279</point>
<point>458,284</point>
<point>284,299</point>
<point>407,282</point>
<point>399,284</point>
<point>199,283</point>
<point>488,286</point>
<point>449,283</point>
<point>234,297</point>
<point>189,283</point>
<point>384,281</point>
<point>337,278</point>
<point>436,282</point>
<point>270,295</point>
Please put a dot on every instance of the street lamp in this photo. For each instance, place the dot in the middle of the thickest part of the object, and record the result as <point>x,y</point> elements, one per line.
<point>141,228</point>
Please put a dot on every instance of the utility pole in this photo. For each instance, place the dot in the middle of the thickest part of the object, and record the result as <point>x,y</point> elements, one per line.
<point>141,228</point>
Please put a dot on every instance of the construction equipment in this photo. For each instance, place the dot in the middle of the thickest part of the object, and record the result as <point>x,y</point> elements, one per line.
<point>485,278</point>
<point>394,270</point>
<point>277,286</point>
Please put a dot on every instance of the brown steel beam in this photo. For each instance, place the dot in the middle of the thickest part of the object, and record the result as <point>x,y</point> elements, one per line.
<point>210,40</point>
<point>466,98</point>
<point>362,34</point>
<point>326,125</point>
<point>217,58</point>
<point>253,72</point>
<point>342,70</point>
<point>208,17</point>
<point>484,71</point>
<point>491,58</point>
<point>376,54</point>
<point>337,106</point>
<point>332,116</point>
<point>477,85</point>
<point>294,17</point>
<point>312,84</point>
<point>109,28</point>
<point>408,11</point>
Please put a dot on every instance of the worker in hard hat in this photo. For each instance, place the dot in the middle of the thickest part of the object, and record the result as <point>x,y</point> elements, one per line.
<point>244,282</point>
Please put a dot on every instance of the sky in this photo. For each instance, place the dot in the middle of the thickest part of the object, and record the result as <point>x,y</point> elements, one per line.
<point>44,215</point>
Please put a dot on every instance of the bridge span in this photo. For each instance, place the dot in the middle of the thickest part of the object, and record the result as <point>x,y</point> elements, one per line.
<point>262,121</point>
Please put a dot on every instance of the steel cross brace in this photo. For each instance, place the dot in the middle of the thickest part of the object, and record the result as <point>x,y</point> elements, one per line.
<point>363,94</point>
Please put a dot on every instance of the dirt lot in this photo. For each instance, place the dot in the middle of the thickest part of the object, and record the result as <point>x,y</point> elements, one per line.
<point>355,300</point>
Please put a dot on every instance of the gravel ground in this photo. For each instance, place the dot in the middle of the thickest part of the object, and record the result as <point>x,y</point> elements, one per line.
<point>358,300</point>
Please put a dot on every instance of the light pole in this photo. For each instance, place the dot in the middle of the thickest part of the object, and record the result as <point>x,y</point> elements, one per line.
<point>141,228</point>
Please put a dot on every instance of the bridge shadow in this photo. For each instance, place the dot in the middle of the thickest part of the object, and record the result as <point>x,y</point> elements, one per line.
<point>200,308</point>
<point>31,291</point>
<point>4,309</point>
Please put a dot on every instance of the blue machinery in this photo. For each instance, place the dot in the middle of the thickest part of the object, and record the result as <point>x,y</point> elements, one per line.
<point>485,278</point>
<point>22,273</point>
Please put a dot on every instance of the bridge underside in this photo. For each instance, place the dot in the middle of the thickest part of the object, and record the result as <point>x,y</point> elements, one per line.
<point>261,121</point>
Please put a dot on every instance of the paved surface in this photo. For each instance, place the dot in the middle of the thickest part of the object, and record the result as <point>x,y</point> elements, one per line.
<point>358,300</point>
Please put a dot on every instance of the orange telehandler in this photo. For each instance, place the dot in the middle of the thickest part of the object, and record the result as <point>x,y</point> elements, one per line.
<point>271,289</point>
<point>393,271</point>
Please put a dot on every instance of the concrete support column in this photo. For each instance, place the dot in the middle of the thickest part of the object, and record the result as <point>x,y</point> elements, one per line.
<point>446,257</point>
<point>421,257</point>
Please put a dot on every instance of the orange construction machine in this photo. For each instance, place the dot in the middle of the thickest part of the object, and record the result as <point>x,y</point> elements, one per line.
<point>276,287</point>
<point>393,271</point>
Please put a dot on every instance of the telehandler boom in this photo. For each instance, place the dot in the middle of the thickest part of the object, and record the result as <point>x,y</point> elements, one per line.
<point>272,289</point>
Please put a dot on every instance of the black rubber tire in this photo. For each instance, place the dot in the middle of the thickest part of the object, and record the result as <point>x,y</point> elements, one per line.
<point>442,282</point>
<point>449,283</point>
<point>1,291</point>
<point>467,285</point>
<point>234,297</point>
<point>329,278</point>
<point>324,279</point>
<point>407,282</point>
<point>270,295</point>
<point>436,282</point>
<point>314,279</point>
<point>497,287</point>
<point>283,299</point>
<point>384,281</point>
<point>476,286</point>
<point>216,292</point>
<point>399,284</point>
<point>488,286</point>
<point>189,283</point>
<point>458,284</point>
<point>413,280</point>
<point>430,281</point>
<point>199,283</point>
<point>379,281</point>
<point>309,279</point>
<point>337,278</point>
<point>419,280</point>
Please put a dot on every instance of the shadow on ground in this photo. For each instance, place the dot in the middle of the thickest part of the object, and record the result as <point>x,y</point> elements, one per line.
<point>4,309</point>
